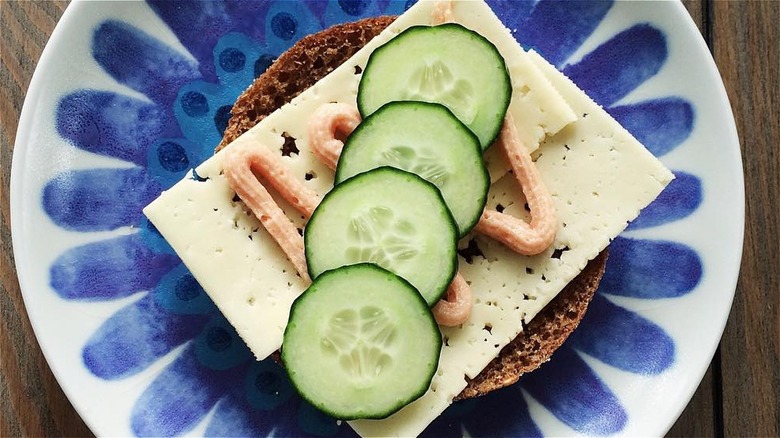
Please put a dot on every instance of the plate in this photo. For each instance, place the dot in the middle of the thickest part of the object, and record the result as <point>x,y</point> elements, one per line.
<point>100,137</point>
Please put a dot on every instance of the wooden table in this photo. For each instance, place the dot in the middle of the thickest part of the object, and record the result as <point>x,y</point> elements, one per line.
<point>740,394</point>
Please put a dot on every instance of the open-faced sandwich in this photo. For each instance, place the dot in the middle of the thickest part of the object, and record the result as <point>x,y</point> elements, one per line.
<point>387,227</point>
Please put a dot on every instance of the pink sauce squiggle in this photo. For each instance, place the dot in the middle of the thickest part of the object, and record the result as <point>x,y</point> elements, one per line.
<point>242,159</point>
<point>325,124</point>
<point>323,128</point>
<point>333,119</point>
<point>239,163</point>
<point>442,12</point>
<point>455,309</point>
<point>517,234</point>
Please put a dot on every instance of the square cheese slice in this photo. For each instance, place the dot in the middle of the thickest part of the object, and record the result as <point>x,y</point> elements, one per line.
<point>600,177</point>
<point>225,247</point>
<point>598,174</point>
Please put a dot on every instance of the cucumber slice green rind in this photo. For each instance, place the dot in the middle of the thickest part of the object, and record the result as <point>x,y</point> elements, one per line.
<point>428,140</point>
<point>361,343</point>
<point>389,217</point>
<point>448,64</point>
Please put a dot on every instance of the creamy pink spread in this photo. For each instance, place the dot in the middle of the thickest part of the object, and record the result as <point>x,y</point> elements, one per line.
<point>455,308</point>
<point>517,234</point>
<point>442,12</point>
<point>337,120</point>
<point>324,127</point>
<point>239,163</point>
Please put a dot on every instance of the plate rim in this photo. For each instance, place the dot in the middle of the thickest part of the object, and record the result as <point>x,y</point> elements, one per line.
<point>22,144</point>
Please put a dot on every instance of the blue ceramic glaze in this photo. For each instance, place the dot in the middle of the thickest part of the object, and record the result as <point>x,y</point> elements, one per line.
<point>183,118</point>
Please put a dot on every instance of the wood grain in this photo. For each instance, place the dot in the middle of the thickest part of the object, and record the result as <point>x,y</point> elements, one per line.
<point>746,45</point>
<point>32,402</point>
<point>740,394</point>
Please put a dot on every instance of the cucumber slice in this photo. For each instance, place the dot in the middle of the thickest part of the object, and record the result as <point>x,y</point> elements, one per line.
<point>425,139</point>
<point>448,64</point>
<point>389,217</point>
<point>361,343</point>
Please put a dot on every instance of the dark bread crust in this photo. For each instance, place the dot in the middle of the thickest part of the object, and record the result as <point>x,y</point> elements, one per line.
<point>297,69</point>
<point>316,55</point>
<point>543,335</point>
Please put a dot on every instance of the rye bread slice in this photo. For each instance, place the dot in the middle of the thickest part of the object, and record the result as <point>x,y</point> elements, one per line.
<point>297,69</point>
<point>316,55</point>
<point>543,335</point>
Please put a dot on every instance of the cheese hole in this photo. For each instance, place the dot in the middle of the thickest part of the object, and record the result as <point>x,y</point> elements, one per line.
<point>558,252</point>
<point>289,146</point>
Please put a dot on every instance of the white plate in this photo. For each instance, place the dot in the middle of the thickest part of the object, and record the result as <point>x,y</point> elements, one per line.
<point>99,138</point>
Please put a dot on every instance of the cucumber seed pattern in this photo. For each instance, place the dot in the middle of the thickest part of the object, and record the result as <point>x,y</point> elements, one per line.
<point>378,237</point>
<point>434,82</point>
<point>182,116</point>
<point>359,340</point>
<point>419,163</point>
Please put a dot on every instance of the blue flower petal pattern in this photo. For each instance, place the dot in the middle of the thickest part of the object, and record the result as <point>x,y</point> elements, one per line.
<point>576,395</point>
<point>556,29</point>
<point>620,65</point>
<point>500,413</point>
<point>265,389</point>
<point>633,266</point>
<point>114,352</point>
<point>678,200</point>
<point>623,339</point>
<point>186,391</point>
<point>660,124</point>
<point>213,376</point>
<point>141,62</point>
<point>108,269</point>
<point>113,198</point>
<point>110,124</point>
